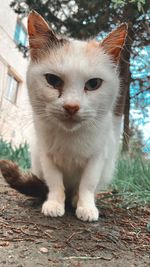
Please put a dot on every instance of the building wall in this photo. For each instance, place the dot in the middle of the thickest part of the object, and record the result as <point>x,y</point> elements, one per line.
<point>14,118</point>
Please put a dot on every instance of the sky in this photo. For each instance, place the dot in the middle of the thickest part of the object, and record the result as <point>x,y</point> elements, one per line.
<point>140,107</point>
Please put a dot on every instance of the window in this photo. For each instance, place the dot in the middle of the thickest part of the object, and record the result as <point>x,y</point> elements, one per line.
<point>12,88</point>
<point>20,35</point>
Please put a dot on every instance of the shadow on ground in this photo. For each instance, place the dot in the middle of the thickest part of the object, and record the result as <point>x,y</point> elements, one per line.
<point>28,239</point>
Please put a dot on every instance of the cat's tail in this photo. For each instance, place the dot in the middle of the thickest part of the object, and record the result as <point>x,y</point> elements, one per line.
<point>24,182</point>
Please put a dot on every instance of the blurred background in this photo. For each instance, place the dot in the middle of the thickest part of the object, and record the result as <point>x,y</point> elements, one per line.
<point>81,19</point>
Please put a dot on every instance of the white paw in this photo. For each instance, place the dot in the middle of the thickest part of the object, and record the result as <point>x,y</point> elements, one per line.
<point>87,213</point>
<point>53,208</point>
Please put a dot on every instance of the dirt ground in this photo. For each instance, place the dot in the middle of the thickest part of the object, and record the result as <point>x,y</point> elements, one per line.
<point>28,239</point>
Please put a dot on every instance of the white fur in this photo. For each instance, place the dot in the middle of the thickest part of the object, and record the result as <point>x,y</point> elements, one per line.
<point>74,156</point>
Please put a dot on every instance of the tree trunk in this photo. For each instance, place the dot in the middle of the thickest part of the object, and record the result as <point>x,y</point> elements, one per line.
<point>126,122</point>
<point>124,100</point>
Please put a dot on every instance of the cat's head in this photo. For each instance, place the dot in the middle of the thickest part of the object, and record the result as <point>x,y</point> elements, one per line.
<point>72,83</point>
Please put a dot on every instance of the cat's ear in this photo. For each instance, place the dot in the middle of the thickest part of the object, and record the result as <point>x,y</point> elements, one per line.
<point>41,36</point>
<point>114,42</point>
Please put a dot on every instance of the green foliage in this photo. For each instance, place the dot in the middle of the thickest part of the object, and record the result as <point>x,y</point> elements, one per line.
<point>18,154</point>
<point>138,3</point>
<point>132,181</point>
<point>136,141</point>
<point>84,19</point>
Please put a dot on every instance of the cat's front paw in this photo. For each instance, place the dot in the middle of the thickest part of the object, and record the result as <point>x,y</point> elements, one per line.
<point>85,213</point>
<point>53,209</point>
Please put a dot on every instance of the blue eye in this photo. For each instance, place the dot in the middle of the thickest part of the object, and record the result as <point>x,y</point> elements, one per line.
<point>54,80</point>
<point>93,84</point>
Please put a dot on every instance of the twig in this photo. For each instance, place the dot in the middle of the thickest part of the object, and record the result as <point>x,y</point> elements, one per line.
<point>71,236</point>
<point>29,234</point>
<point>143,246</point>
<point>16,239</point>
<point>86,258</point>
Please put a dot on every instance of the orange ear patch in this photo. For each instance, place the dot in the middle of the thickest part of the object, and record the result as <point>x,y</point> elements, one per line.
<point>114,42</point>
<point>36,24</point>
<point>40,35</point>
<point>91,46</point>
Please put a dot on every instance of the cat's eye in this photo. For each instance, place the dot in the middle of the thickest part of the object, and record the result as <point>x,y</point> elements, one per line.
<point>93,84</point>
<point>54,80</point>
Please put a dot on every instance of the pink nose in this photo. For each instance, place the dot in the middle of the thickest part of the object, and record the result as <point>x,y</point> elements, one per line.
<point>71,109</point>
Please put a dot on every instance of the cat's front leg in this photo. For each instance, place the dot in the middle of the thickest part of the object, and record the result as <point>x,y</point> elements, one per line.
<point>54,206</point>
<point>86,208</point>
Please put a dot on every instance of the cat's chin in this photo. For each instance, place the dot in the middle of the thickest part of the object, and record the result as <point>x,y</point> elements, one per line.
<point>70,125</point>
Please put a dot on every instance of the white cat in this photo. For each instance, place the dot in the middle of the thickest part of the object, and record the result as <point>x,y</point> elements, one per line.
<point>73,87</point>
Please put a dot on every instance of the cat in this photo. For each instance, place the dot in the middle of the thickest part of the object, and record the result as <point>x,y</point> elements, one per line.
<point>73,87</point>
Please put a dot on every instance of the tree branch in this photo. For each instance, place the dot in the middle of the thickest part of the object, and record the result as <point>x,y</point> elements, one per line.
<point>140,92</point>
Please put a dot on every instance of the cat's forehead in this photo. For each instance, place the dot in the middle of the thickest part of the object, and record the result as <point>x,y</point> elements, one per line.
<point>73,48</point>
<point>91,46</point>
<point>75,55</point>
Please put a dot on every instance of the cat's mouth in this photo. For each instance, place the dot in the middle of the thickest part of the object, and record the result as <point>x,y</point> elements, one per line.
<point>70,122</point>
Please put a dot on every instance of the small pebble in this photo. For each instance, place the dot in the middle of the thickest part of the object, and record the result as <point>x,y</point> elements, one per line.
<point>148,227</point>
<point>43,250</point>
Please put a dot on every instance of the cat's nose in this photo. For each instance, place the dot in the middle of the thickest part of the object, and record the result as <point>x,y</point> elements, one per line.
<point>71,109</point>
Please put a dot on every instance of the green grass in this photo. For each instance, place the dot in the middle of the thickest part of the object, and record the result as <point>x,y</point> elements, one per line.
<point>18,154</point>
<point>132,181</point>
<point>132,178</point>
